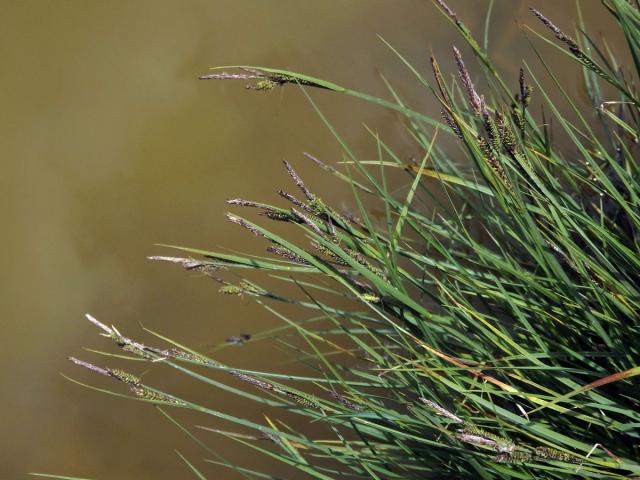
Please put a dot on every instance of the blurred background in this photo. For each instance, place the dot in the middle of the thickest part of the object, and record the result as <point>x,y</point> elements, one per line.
<point>110,145</point>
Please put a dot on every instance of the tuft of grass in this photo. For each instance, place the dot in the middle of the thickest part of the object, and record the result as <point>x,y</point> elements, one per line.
<point>487,328</point>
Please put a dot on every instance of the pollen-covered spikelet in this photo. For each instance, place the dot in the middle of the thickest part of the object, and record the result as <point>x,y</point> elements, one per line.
<point>518,118</point>
<point>324,211</point>
<point>507,139</point>
<point>230,290</point>
<point>479,436</point>
<point>145,393</point>
<point>369,298</point>
<point>191,357</point>
<point>299,399</point>
<point>242,288</point>
<point>252,289</point>
<point>263,85</point>
<point>325,251</point>
<point>493,162</point>
<point>280,216</point>
<point>136,350</point>
<point>490,126</point>
<point>361,259</point>
<point>286,253</point>
<point>269,387</point>
<point>124,377</point>
<point>547,453</point>
<point>517,456</point>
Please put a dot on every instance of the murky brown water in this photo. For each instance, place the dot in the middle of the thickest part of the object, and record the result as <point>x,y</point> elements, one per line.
<point>110,144</point>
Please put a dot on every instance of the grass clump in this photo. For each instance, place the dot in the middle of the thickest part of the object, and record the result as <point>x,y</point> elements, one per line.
<point>496,336</point>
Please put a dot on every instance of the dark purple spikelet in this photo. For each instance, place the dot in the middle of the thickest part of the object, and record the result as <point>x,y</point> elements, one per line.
<point>560,35</point>
<point>90,366</point>
<point>446,8</point>
<point>437,73</point>
<point>450,13</point>
<point>574,48</point>
<point>453,125</point>
<point>320,163</point>
<point>187,263</point>
<point>474,99</point>
<point>245,203</point>
<point>310,223</point>
<point>525,90</point>
<point>443,412</point>
<point>264,80</point>
<point>230,76</point>
<point>294,200</point>
<point>296,178</point>
<point>243,223</point>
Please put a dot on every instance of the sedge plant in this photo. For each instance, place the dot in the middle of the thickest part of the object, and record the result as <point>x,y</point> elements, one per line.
<point>490,331</point>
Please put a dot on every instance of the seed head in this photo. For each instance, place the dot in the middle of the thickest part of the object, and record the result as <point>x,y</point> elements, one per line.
<point>344,401</point>
<point>243,223</point>
<point>286,253</point>
<point>441,411</point>
<point>474,99</point>
<point>560,35</point>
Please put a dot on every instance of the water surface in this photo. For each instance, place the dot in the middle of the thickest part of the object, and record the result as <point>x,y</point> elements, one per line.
<point>110,145</point>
